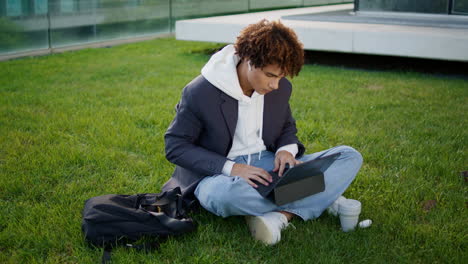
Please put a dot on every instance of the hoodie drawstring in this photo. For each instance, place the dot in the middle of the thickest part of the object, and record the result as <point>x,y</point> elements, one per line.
<point>260,131</point>
<point>248,147</point>
<point>261,127</point>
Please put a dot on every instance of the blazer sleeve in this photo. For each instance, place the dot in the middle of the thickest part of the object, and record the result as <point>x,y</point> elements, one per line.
<point>182,136</point>
<point>288,134</point>
<point>288,131</point>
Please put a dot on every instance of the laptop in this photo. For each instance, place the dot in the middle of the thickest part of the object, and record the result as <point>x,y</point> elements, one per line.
<point>300,181</point>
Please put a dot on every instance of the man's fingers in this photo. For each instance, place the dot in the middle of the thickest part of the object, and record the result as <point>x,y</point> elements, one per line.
<point>251,183</point>
<point>259,179</point>
<point>290,162</point>
<point>281,169</point>
<point>258,174</point>
<point>277,162</point>
<point>262,173</point>
<point>253,175</point>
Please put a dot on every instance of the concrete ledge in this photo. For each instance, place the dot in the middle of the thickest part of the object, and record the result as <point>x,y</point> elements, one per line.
<point>380,39</point>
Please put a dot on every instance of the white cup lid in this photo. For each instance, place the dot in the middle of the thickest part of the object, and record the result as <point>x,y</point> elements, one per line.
<point>350,207</point>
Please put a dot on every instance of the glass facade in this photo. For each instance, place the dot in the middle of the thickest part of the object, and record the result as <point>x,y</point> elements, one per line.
<point>44,24</point>
<point>23,25</point>
<point>323,2</point>
<point>265,4</point>
<point>186,9</point>
<point>76,22</point>
<point>460,7</point>
<point>421,6</point>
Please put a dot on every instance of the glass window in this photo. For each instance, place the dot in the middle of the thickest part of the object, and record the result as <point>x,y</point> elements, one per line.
<point>67,6</point>
<point>98,20</point>
<point>125,19</point>
<point>40,7</point>
<point>266,4</point>
<point>23,26</point>
<point>421,6</point>
<point>197,8</point>
<point>460,7</point>
<point>13,8</point>
<point>324,2</point>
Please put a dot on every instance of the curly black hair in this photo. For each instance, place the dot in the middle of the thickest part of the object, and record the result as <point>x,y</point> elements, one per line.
<point>266,43</point>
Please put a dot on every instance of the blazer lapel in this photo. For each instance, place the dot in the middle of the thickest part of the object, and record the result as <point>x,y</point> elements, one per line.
<point>268,114</point>
<point>229,109</point>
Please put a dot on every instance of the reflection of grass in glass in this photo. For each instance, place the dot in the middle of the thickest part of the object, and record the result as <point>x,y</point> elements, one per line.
<point>10,34</point>
<point>132,28</point>
<point>461,6</point>
<point>103,32</point>
<point>72,36</point>
<point>92,122</point>
<point>13,38</point>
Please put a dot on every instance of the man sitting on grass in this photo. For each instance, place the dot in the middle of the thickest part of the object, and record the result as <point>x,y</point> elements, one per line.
<point>234,123</point>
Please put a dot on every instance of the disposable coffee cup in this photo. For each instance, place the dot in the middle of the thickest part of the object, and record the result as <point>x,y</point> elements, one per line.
<point>349,211</point>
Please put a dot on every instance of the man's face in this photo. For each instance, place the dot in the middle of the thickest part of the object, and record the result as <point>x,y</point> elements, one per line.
<point>266,79</point>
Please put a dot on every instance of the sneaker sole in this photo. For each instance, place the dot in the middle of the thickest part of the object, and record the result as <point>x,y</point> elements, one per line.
<point>260,231</point>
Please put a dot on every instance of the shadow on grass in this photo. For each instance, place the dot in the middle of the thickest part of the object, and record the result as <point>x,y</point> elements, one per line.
<point>450,69</point>
<point>441,68</point>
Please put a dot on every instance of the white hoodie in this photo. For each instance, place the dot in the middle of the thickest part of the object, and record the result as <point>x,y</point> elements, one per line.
<point>221,71</point>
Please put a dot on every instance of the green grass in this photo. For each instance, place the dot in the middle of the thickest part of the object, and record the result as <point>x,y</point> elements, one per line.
<point>91,122</point>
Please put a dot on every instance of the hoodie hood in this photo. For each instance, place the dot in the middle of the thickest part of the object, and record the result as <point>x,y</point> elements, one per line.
<point>221,71</point>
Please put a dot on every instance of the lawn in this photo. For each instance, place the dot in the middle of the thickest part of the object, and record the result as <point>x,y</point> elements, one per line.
<point>91,122</point>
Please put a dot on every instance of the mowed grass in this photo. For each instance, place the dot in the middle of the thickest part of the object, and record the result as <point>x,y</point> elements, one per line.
<point>91,122</point>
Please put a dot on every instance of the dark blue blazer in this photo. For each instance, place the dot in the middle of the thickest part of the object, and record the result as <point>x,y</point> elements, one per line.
<point>201,134</point>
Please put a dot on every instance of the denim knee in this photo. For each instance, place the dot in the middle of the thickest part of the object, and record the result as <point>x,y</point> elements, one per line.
<point>348,152</point>
<point>213,195</point>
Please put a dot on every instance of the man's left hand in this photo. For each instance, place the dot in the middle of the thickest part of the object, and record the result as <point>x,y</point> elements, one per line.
<point>282,158</point>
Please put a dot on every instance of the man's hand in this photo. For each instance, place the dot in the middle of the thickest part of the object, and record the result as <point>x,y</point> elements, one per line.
<point>281,159</point>
<point>249,173</point>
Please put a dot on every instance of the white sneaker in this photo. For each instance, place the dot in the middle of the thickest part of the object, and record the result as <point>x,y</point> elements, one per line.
<point>333,209</point>
<point>267,228</point>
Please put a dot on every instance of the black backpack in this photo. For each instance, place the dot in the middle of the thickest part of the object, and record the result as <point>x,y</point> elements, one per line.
<point>112,220</point>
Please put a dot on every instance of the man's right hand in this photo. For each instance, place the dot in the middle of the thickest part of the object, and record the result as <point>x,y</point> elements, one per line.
<point>249,173</point>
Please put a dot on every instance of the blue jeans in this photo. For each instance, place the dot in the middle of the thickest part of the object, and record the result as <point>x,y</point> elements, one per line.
<point>226,195</point>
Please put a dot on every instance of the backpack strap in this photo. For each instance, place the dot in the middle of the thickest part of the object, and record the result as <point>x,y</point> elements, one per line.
<point>180,207</point>
<point>106,255</point>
